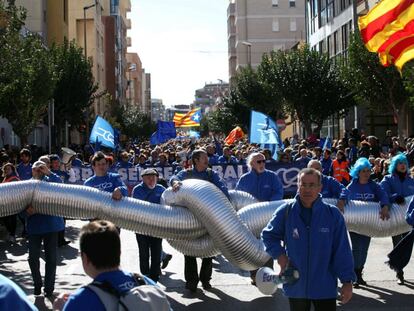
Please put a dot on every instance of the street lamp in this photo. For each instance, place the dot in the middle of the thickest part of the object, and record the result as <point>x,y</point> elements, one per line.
<point>249,52</point>
<point>84,27</point>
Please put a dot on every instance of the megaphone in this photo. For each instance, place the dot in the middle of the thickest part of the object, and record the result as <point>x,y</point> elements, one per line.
<point>66,159</point>
<point>267,280</point>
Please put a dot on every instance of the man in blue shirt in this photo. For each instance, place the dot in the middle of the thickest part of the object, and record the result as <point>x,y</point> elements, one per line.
<point>100,248</point>
<point>227,157</point>
<point>43,228</point>
<point>263,184</point>
<point>12,297</point>
<point>201,171</point>
<point>148,246</point>
<point>105,181</point>
<point>24,168</point>
<point>311,236</point>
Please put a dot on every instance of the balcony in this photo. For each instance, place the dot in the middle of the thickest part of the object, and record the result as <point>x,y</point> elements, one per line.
<point>128,42</point>
<point>128,23</point>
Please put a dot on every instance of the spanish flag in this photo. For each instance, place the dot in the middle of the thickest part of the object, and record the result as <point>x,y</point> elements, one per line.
<point>189,119</point>
<point>388,29</point>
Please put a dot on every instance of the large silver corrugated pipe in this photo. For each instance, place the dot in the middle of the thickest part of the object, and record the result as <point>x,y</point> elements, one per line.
<point>216,213</point>
<point>240,199</point>
<point>231,232</point>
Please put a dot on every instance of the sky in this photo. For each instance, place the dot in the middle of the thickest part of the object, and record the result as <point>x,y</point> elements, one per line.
<point>182,43</point>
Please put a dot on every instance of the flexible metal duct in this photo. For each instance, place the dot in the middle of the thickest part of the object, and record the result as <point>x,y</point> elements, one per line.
<point>232,230</point>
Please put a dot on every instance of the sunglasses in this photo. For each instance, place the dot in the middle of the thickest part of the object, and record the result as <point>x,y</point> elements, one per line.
<point>260,161</point>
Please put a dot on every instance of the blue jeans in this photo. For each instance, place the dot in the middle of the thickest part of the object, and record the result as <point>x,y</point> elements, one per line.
<point>50,247</point>
<point>360,245</point>
<point>149,246</point>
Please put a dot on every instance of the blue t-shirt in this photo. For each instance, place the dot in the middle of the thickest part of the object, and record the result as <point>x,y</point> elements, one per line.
<point>24,171</point>
<point>12,297</point>
<point>86,299</point>
<point>142,192</point>
<point>107,183</point>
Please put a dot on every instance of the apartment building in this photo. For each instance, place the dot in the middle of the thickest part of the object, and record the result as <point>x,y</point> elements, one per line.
<point>134,91</point>
<point>146,92</point>
<point>157,110</point>
<point>256,27</point>
<point>210,96</point>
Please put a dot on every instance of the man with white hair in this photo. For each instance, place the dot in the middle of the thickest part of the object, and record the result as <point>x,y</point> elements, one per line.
<point>261,183</point>
<point>331,188</point>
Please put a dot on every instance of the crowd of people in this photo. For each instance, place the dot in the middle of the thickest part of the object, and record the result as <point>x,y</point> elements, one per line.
<point>355,167</point>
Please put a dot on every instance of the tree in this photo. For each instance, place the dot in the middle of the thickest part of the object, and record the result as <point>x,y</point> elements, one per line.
<point>308,83</point>
<point>377,87</point>
<point>74,84</point>
<point>135,124</point>
<point>26,79</point>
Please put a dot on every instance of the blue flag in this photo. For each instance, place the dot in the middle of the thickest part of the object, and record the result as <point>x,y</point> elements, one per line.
<point>165,131</point>
<point>102,133</point>
<point>325,143</point>
<point>194,134</point>
<point>264,131</point>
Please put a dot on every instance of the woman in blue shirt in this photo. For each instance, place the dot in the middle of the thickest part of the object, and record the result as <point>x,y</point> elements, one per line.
<point>398,185</point>
<point>362,188</point>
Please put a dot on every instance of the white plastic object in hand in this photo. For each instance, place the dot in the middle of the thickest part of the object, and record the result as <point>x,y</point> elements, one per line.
<point>267,280</point>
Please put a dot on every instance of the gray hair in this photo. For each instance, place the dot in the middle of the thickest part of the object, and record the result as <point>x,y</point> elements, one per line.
<point>250,159</point>
<point>45,159</point>
<point>311,162</point>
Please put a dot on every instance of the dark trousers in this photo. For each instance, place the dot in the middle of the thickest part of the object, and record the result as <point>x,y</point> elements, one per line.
<point>302,304</point>
<point>10,222</point>
<point>395,240</point>
<point>61,234</point>
<point>50,246</point>
<point>191,273</point>
<point>360,245</point>
<point>149,246</point>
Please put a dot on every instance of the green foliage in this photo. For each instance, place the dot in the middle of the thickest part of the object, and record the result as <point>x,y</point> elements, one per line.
<point>379,88</point>
<point>26,79</point>
<point>74,84</point>
<point>308,84</point>
<point>135,124</point>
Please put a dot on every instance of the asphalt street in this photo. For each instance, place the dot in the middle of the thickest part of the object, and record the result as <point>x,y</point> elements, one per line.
<point>231,286</point>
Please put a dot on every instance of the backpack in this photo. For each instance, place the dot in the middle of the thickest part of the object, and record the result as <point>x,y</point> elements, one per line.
<point>142,297</point>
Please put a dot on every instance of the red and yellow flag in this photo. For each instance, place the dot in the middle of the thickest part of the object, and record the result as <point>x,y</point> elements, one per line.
<point>388,29</point>
<point>235,134</point>
<point>189,119</point>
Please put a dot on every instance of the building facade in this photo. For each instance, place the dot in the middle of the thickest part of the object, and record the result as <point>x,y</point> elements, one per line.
<point>134,91</point>
<point>210,96</point>
<point>157,110</point>
<point>256,27</point>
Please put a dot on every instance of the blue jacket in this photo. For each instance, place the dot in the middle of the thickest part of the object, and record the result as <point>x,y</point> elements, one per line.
<point>331,188</point>
<point>326,166</point>
<point>208,175</point>
<point>394,187</point>
<point>371,192</point>
<point>12,297</point>
<point>213,159</point>
<point>107,183</point>
<point>86,299</point>
<point>142,192</point>
<point>264,187</point>
<point>303,161</point>
<point>409,216</point>
<point>24,171</point>
<point>321,251</point>
<point>230,160</point>
<point>123,164</point>
<point>41,224</point>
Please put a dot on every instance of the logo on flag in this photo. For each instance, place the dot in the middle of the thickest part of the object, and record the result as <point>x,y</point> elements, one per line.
<point>102,133</point>
<point>263,131</point>
<point>191,118</point>
<point>388,29</point>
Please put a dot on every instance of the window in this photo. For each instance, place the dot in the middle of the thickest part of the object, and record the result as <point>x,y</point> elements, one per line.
<point>275,3</point>
<point>292,3</point>
<point>275,25</point>
<point>293,24</point>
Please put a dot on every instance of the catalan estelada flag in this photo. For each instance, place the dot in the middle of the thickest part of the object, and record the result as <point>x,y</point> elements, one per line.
<point>388,29</point>
<point>191,118</point>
